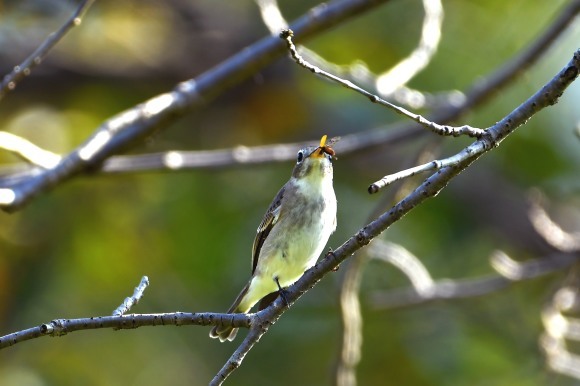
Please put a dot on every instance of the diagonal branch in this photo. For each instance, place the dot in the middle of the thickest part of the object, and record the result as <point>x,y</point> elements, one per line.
<point>478,94</point>
<point>22,70</point>
<point>547,96</point>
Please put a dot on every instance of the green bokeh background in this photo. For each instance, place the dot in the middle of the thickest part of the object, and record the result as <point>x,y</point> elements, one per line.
<point>79,250</point>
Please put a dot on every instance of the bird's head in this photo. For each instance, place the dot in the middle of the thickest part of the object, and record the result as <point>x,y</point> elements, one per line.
<point>315,161</point>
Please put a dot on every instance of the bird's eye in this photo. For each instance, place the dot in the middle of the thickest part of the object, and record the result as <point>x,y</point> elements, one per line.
<point>300,156</point>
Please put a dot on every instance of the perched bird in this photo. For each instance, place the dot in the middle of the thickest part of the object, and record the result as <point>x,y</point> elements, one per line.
<point>292,234</point>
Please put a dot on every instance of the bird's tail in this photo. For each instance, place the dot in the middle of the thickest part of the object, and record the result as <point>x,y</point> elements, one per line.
<point>228,332</point>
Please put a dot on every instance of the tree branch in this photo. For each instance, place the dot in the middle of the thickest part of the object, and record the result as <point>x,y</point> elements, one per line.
<point>510,272</point>
<point>478,94</point>
<point>28,151</point>
<point>260,322</point>
<point>133,299</point>
<point>547,96</point>
<point>242,155</point>
<point>61,327</point>
<point>22,70</point>
<point>129,127</point>
<point>435,127</point>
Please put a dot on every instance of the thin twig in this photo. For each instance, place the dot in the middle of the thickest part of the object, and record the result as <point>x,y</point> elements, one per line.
<point>434,127</point>
<point>133,299</point>
<point>427,167</point>
<point>390,84</point>
<point>22,70</point>
<point>561,327</point>
<point>496,133</point>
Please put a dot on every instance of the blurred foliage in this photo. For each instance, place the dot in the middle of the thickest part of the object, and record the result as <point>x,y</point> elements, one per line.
<point>79,250</point>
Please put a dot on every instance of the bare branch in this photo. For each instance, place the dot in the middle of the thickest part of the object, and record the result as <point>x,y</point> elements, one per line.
<point>479,93</point>
<point>238,356</point>
<point>547,96</point>
<point>435,127</point>
<point>242,155</point>
<point>548,229</point>
<point>134,299</point>
<point>560,326</point>
<point>22,70</point>
<point>509,271</point>
<point>28,151</point>
<point>427,167</point>
<point>60,327</point>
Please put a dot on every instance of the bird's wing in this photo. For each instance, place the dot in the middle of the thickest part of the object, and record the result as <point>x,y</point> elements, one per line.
<point>268,222</point>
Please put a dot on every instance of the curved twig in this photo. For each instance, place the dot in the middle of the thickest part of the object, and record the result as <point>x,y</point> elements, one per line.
<point>433,126</point>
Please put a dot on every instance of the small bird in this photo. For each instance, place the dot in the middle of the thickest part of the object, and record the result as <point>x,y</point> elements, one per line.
<point>292,234</point>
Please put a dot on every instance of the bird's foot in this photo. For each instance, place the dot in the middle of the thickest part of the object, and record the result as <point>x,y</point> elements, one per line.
<point>282,292</point>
